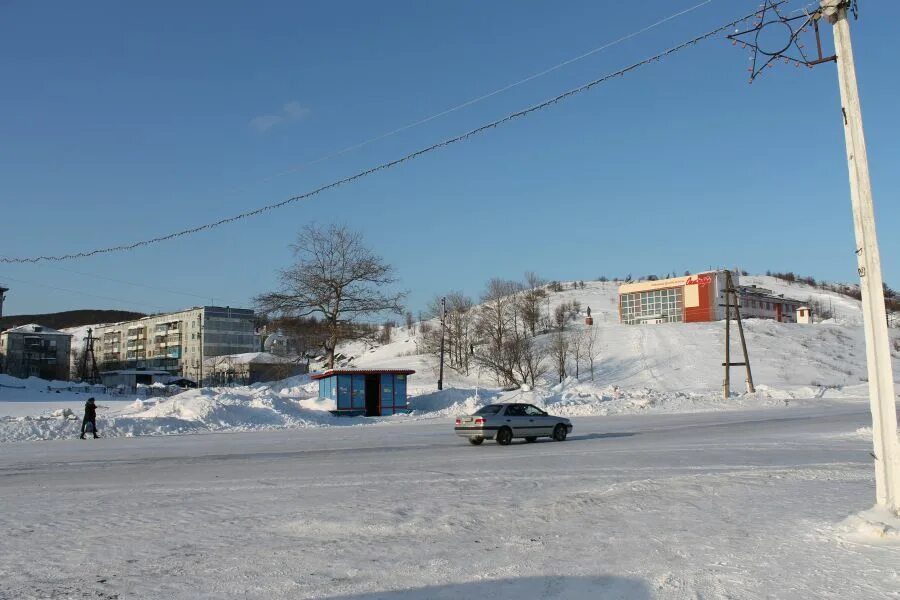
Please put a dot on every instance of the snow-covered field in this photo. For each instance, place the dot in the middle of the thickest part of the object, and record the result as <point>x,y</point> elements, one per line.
<point>665,489</point>
<point>737,504</point>
<point>638,369</point>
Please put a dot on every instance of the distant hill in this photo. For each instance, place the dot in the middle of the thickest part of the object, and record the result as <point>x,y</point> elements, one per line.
<point>70,318</point>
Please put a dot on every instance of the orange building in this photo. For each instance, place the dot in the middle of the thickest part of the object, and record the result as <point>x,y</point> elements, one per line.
<point>690,299</point>
<point>698,298</point>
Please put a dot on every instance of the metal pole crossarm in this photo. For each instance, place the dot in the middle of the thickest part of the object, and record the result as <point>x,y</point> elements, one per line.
<point>878,356</point>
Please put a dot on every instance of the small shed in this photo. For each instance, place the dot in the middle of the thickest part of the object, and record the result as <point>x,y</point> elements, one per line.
<point>365,392</point>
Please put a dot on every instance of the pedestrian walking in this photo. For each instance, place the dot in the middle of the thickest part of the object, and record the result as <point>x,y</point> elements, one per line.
<point>90,416</point>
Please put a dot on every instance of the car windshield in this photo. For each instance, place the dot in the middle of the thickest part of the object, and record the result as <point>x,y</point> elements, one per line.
<point>490,409</point>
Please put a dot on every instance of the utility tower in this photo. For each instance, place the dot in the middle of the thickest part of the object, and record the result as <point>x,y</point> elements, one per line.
<point>3,291</point>
<point>88,371</point>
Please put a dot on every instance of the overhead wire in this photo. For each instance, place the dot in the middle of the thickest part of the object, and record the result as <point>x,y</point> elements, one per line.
<point>62,289</point>
<point>496,92</point>
<point>131,283</point>
<point>390,164</point>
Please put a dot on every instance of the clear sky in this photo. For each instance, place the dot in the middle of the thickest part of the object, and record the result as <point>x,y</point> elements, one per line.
<point>125,120</point>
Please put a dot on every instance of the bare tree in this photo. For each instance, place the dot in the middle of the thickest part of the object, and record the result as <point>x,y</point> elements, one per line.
<point>530,301</point>
<point>410,323</point>
<point>559,350</point>
<point>496,327</point>
<point>387,332</point>
<point>335,276</point>
<point>577,348</point>
<point>591,347</point>
<point>532,365</point>
<point>458,330</point>
<point>561,315</point>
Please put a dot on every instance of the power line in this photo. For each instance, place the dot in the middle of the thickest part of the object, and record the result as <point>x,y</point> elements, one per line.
<point>384,166</point>
<point>477,99</point>
<point>133,283</point>
<point>62,289</point>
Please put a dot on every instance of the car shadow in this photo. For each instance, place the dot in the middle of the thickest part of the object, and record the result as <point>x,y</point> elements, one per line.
<point>578,438</point>
<point>599,436</point>
<point>593,588</point>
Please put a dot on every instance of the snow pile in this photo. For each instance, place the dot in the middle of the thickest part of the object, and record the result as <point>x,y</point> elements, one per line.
<point>876,526</point>
<point>193,411</point>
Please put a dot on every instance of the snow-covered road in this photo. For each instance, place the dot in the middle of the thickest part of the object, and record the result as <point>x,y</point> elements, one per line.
<point>738,504</point>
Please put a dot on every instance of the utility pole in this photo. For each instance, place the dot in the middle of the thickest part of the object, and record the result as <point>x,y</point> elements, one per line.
<point>731,293</point>
<point>443,316</point>
<point>878,356</point>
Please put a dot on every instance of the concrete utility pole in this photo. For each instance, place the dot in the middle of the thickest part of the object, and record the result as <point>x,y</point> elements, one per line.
<point>443,316</point>
<point>878,356</point>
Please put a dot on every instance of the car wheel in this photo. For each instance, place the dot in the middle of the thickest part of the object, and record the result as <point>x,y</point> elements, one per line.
<point>559,433</point>
<point>504,436</point>
<point>531,440</point>
<point>475,441</point>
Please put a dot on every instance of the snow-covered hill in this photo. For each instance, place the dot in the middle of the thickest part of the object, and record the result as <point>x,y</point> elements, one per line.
<point>677,357</point>
<point>650,368</point>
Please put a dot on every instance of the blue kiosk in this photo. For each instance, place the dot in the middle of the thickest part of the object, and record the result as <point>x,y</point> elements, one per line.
<point>365,392</point>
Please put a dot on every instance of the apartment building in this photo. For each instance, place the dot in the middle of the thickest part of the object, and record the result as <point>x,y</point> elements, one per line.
<point>35,351</point>
<point>176,342</point>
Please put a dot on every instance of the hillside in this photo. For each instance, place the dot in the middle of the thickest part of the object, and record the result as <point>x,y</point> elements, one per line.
<point>70,318</point>
<point>787,359</point>
<point>667,368</point>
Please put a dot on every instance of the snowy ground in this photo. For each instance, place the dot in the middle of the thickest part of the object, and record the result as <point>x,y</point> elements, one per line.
<point>665,490</point>
<point>737,504</point>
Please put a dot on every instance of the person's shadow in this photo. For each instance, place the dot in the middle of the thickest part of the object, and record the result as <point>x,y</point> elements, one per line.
<point>562,587</point>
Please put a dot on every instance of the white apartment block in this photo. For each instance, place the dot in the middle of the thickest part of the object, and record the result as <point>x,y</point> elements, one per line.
<point>176,342</point>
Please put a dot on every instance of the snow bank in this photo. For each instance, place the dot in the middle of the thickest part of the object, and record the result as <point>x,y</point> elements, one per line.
<point>293,404</point>
<point>876,526</point>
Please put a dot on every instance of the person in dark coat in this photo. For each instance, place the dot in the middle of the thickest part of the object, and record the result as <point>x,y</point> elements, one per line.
<point>90,416</point>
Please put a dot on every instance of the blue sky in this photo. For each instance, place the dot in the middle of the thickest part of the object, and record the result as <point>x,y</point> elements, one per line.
<point>122,121</point>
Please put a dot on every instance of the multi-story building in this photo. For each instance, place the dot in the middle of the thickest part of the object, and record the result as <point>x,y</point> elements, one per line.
<point>35,350</point>
<point>176,342</point>
<point>698,298</point>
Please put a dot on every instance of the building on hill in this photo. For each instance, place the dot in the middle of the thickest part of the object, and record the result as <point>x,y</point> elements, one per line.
<point>698,298</point>
<point>249,367</point>
<point>35,351</point>
<point>176,342</point>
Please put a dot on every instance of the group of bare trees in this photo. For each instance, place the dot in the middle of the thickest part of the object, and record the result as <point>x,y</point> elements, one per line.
<point>337,285</point>
<point>504,334</point>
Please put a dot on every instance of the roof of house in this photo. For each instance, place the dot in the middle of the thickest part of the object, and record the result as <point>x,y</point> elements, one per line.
<point>35,328</point>
<point>331,372</point>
